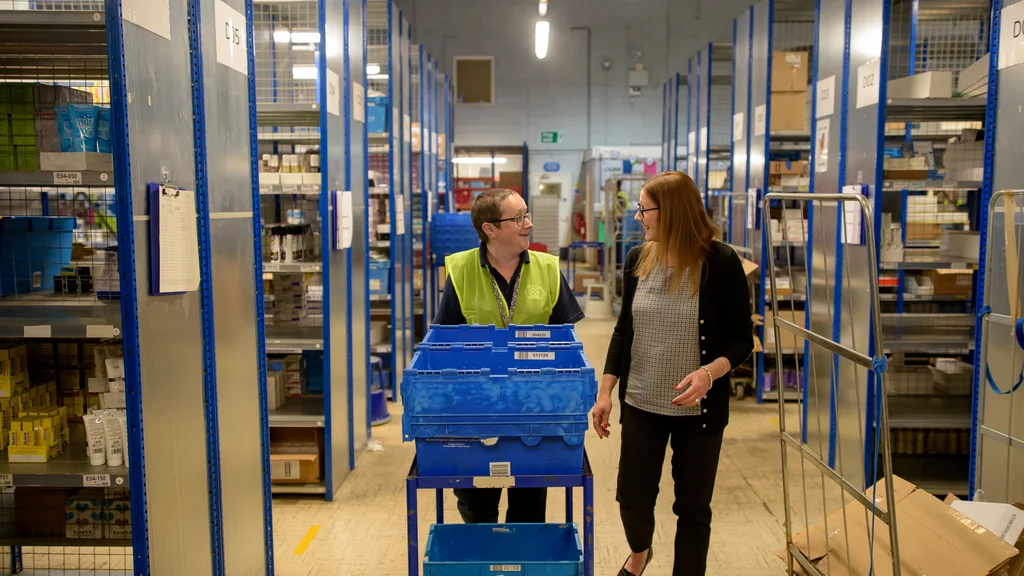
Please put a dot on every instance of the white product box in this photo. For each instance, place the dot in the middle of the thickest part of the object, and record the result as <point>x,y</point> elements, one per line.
<point>84,531</point>
<point>963,243</point>
<point>98,385</point>
<point>925,85</point>
<point>110,400</point>
<point>311,179</point>
<point>117,532</point>
<point>76,161</point>
<point>270,178</point>
<point>974,78</point>
<point>291,179</point>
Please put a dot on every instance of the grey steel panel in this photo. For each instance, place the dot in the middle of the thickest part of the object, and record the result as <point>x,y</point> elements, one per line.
<point>228,156</point>
<point>862,148</point>
<point>170,335</point>
<point>336,314</point>
<point>829,55</point>
<point>690,123</point>
<point>740,152</point>
<point>360,303</point>
<point>404,67</point>
<point>760,56</point>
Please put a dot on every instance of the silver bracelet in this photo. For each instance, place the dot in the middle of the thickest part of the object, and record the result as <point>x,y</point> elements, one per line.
<point>711,379</point>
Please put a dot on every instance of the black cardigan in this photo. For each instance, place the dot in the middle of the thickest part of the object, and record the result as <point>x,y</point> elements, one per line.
<point>725,327</point>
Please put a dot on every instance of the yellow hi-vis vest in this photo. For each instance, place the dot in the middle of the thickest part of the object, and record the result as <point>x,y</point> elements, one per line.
<point>539,283</point>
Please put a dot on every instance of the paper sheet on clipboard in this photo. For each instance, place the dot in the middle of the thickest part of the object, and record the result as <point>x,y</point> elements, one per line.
<point>178,241</point>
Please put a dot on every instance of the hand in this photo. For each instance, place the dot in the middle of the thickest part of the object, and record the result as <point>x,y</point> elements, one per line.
<point>695,386</point>
<point>602,410</point>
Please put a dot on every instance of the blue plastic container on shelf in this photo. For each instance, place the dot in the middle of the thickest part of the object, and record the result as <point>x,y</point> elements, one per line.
<point>32,251</point>
<point>377,114</point>
<point>491,334</point>
<point>380,277</point>
<point>492,549</point>
<point>451,233</point>
<point>481,410</point>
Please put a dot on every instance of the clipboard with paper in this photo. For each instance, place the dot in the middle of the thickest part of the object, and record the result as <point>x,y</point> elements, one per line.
<point>173,241</point>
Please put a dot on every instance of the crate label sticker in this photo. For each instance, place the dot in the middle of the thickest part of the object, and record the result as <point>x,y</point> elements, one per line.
<point>826,94</point>
<point>231,42</point>
<point>374,284</point>
<point>533,334</point>
<point>534,355</point>
<point>94,480</point>
<point>6,480</point>
<point>500,469</point>
<point>153,15</point>
<point>285,470</point>
<point>333,93</point>
<point>760,120</point>
<point>1011,35</point>
<point>868,77</point>
<point>506,568</point>
<point>66,178</point>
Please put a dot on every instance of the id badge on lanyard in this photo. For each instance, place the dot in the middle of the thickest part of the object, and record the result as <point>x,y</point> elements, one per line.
<point>507,320</point>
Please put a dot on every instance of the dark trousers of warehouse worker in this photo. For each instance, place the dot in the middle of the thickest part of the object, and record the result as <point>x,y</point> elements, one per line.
<point>695,452</point>
<point>480,505</point>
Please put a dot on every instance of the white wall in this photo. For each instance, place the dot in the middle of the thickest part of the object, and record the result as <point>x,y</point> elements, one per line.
<point>551,94</point>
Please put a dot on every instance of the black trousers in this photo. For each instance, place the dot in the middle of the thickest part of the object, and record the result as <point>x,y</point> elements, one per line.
<point>695,454</point>
<point>480,505</point>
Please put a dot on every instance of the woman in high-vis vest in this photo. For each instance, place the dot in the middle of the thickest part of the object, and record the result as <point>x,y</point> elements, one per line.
<point>501,283</point>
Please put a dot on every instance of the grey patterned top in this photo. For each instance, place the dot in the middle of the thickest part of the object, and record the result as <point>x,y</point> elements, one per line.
<point>666,343</point>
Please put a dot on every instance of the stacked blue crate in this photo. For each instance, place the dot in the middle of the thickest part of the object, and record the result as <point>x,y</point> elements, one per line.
<point>380,277</point>
<point>490,409</point>
<point>32,251</point>
<point>451,233</point>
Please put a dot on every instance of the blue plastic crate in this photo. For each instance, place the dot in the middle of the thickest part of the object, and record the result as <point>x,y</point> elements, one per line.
<point>480,379</point>
<point>32,251</point>
<point>451,233</point>
<point>525,445</point>
<point>491,334</point>
<point>377,114</point>
<point>380,277</point>
<point>314,362</point>
<point>495,549</point>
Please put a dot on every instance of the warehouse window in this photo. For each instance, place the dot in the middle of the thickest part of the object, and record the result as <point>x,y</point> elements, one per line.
<point>474,79</point>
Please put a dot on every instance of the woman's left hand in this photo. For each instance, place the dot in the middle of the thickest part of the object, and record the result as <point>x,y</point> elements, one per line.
<point>695,387</point>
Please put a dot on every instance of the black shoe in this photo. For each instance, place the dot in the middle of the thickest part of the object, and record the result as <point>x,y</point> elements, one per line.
<point>624,572</point>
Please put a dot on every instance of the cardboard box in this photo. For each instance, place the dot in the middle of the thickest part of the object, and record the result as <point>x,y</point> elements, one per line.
<point>790,341</point>
<point>973,80</point>
<point>790,168</point>
<point>789,72</point>
<point>925,85</point>
<point>949,282</point>
<point>294,468</point>
<point>934,539</point>
<point>789,112</point>
<point>583,278</point>
<point>963,243</point>
<point>923,231</point>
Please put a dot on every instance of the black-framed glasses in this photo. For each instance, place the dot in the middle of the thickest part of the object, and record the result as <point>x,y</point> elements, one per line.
<point>642,210</point>
<point>519,219</point>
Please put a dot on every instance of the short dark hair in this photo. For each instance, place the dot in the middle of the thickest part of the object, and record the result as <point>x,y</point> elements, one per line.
<point>487,208</point>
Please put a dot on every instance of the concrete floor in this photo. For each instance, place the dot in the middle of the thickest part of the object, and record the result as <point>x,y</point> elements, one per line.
<point>363,530</point>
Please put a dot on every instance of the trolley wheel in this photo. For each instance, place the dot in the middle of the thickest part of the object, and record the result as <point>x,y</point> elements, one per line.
<point>740,390</point>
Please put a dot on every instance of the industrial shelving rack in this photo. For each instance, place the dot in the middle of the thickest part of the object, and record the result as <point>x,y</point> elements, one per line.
<point>390,162</point>
<point>855,126</point>
<point>192,369</point>
<point>310,100</point>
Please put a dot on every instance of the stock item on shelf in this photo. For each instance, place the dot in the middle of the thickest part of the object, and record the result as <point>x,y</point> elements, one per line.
<point>291,242</point>
<point>72,513</point>
<point>789,92</point>
<point>295,297</point>
<point>930,442</point>
<point>789,174</point>
<point>295,455</point>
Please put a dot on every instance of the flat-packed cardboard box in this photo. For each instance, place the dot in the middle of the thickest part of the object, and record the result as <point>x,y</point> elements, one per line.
<point>950,282</point>
<point>934,84</point>
<point>789,112</point>
<point>973,80</point>
<point>934,539</point>
<point>1001,519</point>
<point>789,71</point>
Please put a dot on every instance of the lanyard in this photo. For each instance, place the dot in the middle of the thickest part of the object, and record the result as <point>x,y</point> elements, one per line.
<point>507,320</point>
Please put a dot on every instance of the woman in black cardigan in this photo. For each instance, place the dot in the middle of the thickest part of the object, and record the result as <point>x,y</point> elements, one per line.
<point>684,325</point>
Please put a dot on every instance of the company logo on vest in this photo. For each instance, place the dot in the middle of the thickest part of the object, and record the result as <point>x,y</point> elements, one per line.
<point>535,292</point>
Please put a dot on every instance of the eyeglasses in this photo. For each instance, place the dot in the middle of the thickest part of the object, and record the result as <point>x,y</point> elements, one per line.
<point>519,219</point>
<point>642,210</point>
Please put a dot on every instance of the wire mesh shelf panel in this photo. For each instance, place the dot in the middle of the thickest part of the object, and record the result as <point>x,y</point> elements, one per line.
<point>286,41</point>
<point>947,37</point>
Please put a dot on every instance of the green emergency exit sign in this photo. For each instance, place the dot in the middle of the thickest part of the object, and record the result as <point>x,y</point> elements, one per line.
<point>551,137</point>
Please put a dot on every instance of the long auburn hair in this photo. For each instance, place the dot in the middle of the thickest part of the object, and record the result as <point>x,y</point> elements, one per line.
<point>685,229</point>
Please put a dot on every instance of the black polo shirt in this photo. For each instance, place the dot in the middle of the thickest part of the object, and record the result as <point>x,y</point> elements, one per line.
<point>566,311</point>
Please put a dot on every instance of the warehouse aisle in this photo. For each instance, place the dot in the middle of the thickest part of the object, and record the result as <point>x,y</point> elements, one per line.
<point>363,531</point>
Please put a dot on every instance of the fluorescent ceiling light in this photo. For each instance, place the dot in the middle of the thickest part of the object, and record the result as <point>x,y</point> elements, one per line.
<point>543,8</point>
<point>305,37</point>
<point>543,28</point>
<point>376,76</point>
<point>478,160</point>
<point>304,72</point>
<point>282,36</point>
<point>373,69</point>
